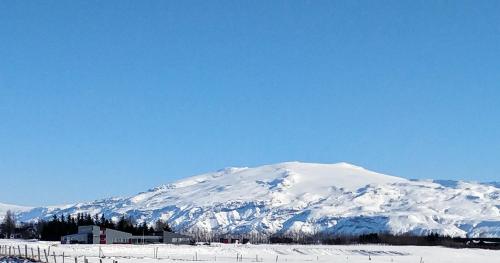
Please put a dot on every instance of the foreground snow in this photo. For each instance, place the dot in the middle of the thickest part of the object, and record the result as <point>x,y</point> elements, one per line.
<point>306,197</point>
<point>263,253</point>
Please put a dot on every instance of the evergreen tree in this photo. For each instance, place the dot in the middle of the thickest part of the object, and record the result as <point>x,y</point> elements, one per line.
<point>61,225</point>
<point>161,225</point>
<point>88,220</point>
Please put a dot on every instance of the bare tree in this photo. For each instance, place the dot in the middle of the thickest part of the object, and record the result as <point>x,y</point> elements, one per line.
<point>9,224</point>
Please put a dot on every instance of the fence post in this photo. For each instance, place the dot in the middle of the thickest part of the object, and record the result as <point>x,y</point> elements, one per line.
<point>26,251</point>
<point>76,260</point>
<point>39,259</point>
<point>46,257</point>
<point>63,257</point>
<point>32,254</point>
<point>54,254</point>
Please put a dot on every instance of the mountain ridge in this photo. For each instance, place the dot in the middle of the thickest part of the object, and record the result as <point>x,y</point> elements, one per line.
<point>293,197</point>
<point>13,208</point>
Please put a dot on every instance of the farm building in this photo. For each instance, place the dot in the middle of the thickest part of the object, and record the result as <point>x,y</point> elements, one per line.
<point>164,237</point>
<point>97,235</point>
<point>174,238</point>
<point>101,235</point>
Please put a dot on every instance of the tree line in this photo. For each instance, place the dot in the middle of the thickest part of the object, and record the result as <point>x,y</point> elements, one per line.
<point>432,239</point>
<point>58,226</point>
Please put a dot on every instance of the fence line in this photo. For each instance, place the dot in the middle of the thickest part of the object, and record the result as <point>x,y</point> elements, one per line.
<point>49,254</point>
<point>17,252</point>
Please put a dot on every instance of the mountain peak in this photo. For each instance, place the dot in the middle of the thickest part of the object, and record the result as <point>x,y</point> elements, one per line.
<point>292,164</point>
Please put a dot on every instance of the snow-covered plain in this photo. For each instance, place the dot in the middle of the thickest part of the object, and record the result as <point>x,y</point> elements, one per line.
<point>306,197</point>
<point>262,253</point>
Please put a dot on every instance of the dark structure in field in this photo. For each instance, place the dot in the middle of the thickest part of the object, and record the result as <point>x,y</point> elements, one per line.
<point>164,237</point>
<point>100,235</point>
<point>97,235</point>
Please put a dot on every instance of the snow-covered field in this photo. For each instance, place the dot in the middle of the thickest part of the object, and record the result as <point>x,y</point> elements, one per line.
<point>260,253</point>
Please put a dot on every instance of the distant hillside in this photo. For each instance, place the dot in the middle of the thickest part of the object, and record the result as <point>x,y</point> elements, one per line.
<point>14,208</point>
<point>307,197</point>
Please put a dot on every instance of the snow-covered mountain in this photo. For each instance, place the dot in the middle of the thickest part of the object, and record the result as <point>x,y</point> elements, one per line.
<point>307,197</point>
<point>13,208</point>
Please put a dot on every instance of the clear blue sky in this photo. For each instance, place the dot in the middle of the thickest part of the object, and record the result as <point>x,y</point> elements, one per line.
<point>106,98</point>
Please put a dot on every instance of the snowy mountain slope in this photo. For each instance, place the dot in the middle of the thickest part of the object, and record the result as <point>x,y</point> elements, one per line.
<point>14,208</point>
<point>306,197</point>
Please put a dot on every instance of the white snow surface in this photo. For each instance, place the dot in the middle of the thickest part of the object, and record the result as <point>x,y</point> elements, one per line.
<point>306,197</point>
<point>254,253</point>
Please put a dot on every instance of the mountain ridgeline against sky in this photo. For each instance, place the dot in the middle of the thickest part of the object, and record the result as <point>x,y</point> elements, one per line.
<point>305,197</point>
